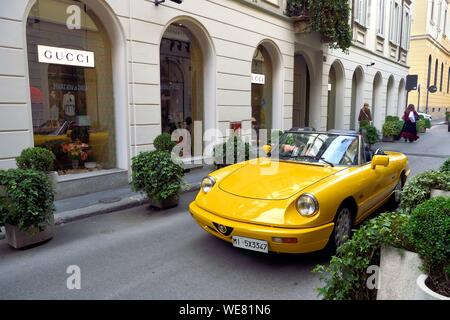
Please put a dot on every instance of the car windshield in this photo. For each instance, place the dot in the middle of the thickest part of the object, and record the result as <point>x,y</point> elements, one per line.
<point>312,147</point>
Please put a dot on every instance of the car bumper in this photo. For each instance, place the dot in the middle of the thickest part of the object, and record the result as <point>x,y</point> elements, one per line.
<point>308,239</point>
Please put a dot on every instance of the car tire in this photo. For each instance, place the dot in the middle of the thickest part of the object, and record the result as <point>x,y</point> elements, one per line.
<point>343,227</point>
<point>396,196</point>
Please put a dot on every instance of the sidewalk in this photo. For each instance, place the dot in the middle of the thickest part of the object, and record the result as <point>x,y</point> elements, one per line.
<point>80,207</point>
<point>72,209</point>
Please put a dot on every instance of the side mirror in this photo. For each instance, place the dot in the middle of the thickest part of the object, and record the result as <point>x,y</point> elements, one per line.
<point>380,160</point>
<point>267,149</point>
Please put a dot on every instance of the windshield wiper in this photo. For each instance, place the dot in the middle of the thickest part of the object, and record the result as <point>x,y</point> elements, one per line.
<point>317,159</point>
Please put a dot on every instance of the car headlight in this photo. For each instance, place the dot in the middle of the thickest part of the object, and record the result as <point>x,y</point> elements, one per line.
<point>307,205</point>
<point>207,184</point>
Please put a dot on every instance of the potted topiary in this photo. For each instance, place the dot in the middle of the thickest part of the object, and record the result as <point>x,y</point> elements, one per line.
<point>26,207</point>
<point>232,151</point>
<point>40,159</point>
<point>159,174</point>
<point>369,132</point>
<point>390,131</point>
<point>428,231</point>
<point>421,126</point>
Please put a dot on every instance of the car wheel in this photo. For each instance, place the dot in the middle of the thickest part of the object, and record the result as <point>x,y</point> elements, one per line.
<point>395,199</point>
<point>342,229</point>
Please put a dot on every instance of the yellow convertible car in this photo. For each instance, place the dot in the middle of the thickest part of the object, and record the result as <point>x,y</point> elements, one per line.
<point>306,195</point>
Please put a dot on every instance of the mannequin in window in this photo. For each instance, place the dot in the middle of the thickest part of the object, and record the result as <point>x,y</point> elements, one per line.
<point>54,110</point>
<point>69,106</point>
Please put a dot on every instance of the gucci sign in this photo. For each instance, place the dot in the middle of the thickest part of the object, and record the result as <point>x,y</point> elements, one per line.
<point>258,78</point>
<point>68,57</point>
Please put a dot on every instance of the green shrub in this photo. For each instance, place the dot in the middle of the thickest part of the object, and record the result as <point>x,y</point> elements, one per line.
<point>331,19</point>
<point>370,132</point>
<point>391,128</point>
<point>419,188</point>
<point>28,198</point>
<point>392,118</point>
<point>164,142</point>
<point>421,125</point>
<point>157,174</point>
<point>428,231</point>
<point>446,166</point>
<point>345,278</point>
<point>234,150</point>
<point>36,158</point>
<point>427,123</point>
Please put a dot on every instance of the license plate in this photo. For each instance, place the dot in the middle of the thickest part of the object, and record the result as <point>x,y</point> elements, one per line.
<point>251,244</point>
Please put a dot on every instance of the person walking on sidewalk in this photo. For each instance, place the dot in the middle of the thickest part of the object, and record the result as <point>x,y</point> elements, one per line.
<point>365,115</point>
<point>410,118</point>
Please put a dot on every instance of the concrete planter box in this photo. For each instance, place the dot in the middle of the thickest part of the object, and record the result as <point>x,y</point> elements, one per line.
<point>398,272</point>
<point>166,203</point>
<point>388,139</point>
<point>425,293</point>
<point>440,193</point>
<point>19,239</point>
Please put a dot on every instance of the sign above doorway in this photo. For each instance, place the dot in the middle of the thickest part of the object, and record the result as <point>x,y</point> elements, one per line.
<point>258,78</point>
<point>68,57</point>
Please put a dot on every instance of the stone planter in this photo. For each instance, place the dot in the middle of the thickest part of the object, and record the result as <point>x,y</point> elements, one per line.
<point>398,272</point>
<point>425,293</point>
<point>19,239</point>
<point>439,193</point>
<point>388,139</point>
<point>166,203</point>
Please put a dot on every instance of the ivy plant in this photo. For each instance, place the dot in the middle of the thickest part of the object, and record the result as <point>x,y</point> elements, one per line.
<point>346,276</point>
<point>418,190</point>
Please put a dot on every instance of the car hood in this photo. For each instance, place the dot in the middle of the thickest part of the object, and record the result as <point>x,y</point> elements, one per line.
<point>274,180</point>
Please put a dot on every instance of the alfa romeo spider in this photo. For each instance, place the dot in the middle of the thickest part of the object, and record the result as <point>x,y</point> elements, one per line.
<point>307,194</point>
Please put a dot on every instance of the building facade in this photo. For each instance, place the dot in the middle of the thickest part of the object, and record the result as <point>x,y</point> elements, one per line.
<point>98,80</point>
<point>430,48</point>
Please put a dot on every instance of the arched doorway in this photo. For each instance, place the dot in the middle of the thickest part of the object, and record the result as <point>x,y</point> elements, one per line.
<point>401,97</point>
<point>336,87</point>
<point>266,90</point>
<point>376,100</point>
<point>390,97</point>
<point>80,75</point>
<point>357,96</point>
<point>302,86</point>
<point>187,82</point>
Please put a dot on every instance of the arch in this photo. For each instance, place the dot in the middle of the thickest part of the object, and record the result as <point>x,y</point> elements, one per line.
<point>206,74</point>
<point>357,96</point>
<point>116,35</point>
<point>277,81</point>
<point>302,92</point>
<point>377,112</point>
<point>336,89</point>
<point>401,97</point>
<point>390,97</point>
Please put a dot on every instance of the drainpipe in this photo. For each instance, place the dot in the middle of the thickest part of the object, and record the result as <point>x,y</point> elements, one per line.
<point>401,32</point>
<point>353,15</point>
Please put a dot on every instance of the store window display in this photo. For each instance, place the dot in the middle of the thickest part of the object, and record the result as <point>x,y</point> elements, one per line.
<point>181,64</point>
<point>261,92</point>
<point>73,114</point>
